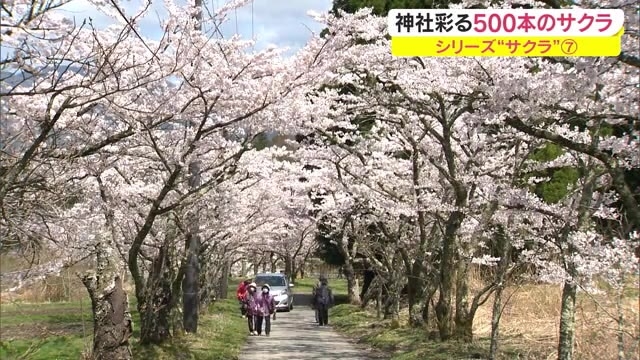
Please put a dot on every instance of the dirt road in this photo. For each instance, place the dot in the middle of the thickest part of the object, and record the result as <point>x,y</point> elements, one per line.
<point>295,336</point>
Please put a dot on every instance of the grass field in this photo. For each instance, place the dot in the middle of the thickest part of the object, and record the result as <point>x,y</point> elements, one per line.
<point>61,331</point>
<point>403,343</point>
<point>304,286</point>
<point>529,329</point>
<point>338,286</point>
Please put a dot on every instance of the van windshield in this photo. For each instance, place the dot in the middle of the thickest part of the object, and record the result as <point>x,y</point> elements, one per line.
<point>270,280</point>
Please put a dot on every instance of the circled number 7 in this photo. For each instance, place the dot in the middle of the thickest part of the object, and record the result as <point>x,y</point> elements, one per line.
<point>570,44</point>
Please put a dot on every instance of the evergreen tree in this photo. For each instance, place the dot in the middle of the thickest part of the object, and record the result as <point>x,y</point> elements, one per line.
<point>382,7</point>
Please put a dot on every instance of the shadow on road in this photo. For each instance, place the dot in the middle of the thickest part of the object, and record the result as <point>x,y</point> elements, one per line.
<point>302,299</point>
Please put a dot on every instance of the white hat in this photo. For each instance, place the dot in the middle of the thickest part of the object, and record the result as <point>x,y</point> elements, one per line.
<point>253,285</point>
<point>266,286</point>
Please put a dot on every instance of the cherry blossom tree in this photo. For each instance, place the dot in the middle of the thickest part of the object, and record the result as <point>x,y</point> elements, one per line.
<point>139,153</point>
<point>458,129</point>
<point>142,111</point>
<point>589,110</point>
<point>59,79</point>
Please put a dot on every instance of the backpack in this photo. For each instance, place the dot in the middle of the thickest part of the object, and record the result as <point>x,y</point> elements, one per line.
<point>323,295</point>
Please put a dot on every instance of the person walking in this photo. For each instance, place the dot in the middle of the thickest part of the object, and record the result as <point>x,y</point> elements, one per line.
<point>313,296</point>
<point>266,308</point>
<point>241,294</point>
<point>323,300</point>
<point>251,305</point>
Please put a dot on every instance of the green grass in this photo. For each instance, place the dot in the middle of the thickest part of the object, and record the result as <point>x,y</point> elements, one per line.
<point>304,286</point>
<point>339,286</point>
<point>404,343</point>
<point>47,319</point>
<point>221,333</point>
<point>51,348</point>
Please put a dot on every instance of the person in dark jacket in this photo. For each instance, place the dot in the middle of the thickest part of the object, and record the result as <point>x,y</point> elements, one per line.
<point>323,300</point>
<point>266,307</point>
<point>313,296</point>
<point>251,304</point>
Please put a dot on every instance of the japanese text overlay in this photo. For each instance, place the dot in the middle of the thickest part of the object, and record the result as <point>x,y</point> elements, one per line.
<point>506,32</point>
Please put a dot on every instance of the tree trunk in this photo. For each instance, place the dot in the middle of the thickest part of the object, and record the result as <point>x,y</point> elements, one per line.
<point>570,287</point>
<point>367,281</point>
<point>352,291</point>
<point>425,312</point>
<point>504,245</point>
<point>243,271</point>
<point>463,318</point>
<point>155,322</point>
<point>447,270</point>
<point>464,329</point>
<point>288,267</point>
<point>416,285</point>
<point>396,308</point>
<point>379,301</point>
<point>176,305</point>
<point>273,260</point>
<point>112,324</point>
<point>566,338</point>
<point>620,308</point>
<point>496,312</point>
<point>352,285</point>
<point>387,312</point>
<point>224,281</point>
<point>191,281</point>
<point>464,313</point>
<point>190,285</point>
<point>392,307</point>
<point>209,284</point>
<point>428,302</point>
<point>393,285</point>
<point>415,282</point>
<point>567,322</point>
<point>416,306</point>
<point>293,275</point>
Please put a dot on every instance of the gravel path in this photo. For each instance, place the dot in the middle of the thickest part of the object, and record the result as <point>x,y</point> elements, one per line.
<point>295,336</point>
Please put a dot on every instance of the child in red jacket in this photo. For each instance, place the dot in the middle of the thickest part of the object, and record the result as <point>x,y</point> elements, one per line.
<point>241,294</point>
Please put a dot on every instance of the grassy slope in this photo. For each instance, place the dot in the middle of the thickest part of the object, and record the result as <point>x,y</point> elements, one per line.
<point>528,327</point>
<point>221,333</point>
<point>403,343</point>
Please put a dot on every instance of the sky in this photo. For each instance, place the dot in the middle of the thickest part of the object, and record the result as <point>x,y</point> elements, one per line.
<point>284,23</point>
